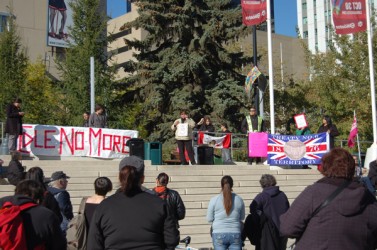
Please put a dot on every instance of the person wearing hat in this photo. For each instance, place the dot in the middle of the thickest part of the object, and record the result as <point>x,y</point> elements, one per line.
<point>57,187</point>
<point>13,124</point>
<point>132,218</point>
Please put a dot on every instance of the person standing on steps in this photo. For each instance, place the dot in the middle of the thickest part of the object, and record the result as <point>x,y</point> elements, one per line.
<point>183,127</point>
<point>252,123</point>
<point>328,127</point>
<point>13,124</point>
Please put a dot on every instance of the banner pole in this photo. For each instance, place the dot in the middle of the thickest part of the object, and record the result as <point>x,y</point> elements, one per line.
<point>371,73</point>
<point>270,69</point>
<point>358,142</point>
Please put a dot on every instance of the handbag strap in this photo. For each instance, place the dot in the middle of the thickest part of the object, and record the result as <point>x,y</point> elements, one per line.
<point>331,197</point>
<point>82,205</point>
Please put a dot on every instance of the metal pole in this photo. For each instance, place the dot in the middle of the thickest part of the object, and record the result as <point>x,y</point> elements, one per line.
<point>371,73</point>
<point>255,61</point>
<point>92,95</point>
<point>270,69</point>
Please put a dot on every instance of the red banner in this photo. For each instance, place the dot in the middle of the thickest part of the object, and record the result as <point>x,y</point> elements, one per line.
<point>349,16</point>
<point>254,12</point>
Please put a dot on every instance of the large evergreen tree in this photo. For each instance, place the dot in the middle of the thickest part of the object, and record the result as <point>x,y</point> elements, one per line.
<point>183,63</point>
<point>90,39</point>
<point>13,62</point>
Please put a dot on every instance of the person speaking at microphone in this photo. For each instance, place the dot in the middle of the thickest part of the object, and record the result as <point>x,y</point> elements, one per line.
<point>183,127</point>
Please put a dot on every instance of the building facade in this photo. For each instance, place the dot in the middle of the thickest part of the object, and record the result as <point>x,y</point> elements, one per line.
<point>314,19</point>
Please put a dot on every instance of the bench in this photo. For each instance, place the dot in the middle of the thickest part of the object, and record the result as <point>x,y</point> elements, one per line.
<point>174,158</point>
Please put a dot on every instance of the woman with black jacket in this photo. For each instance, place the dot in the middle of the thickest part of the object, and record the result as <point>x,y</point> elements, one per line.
<point>328,127</point>
<point>175,204</point>
<point>16,171</point>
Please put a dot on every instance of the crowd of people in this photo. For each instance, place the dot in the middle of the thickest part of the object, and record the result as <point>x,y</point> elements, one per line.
<point>336,212</point>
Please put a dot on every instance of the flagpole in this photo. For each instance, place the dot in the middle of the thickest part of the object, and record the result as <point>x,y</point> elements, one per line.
<point>358,142</point>
<point>371,72</point>
<point>270,68</point>
<point>371,154</point>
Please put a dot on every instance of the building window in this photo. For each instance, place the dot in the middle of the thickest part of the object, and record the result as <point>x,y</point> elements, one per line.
<point>305,34</point>
<point>305,20</point>
<point>3,21</point>
<point>304,6</point>
<point>128,6</point>
<point>120,34</point>
<point>120,50</point>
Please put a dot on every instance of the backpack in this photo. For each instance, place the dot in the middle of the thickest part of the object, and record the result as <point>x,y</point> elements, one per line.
<point>12,235</point>
<point>77,232</point>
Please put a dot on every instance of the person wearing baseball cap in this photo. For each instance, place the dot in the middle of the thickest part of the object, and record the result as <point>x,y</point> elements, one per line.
<point>57,187</point>
<point>132,218</point>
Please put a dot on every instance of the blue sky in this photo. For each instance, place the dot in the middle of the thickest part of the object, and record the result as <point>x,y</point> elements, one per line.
<point>285,14</point>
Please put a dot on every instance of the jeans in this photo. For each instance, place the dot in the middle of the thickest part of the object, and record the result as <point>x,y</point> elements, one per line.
<point>224,241</point>
<point>12,143</point>
<point>225,154</point>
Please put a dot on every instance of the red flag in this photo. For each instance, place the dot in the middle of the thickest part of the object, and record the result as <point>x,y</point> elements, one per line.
<point>349,16</point>
<point>353,133</point>
<point>254,12</point>
<point>216,142</point>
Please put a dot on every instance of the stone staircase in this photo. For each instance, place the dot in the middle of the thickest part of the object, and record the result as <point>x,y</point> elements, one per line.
<point>196,185</point>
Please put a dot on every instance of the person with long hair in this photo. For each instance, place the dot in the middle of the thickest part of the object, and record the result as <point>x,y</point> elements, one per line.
<point>48,201</point>
<point>226,211</point>
<point>328,127</point>
<point>336,212</point>
<point>205,125</point>
<point>132,218</point>
<point>174,201</point>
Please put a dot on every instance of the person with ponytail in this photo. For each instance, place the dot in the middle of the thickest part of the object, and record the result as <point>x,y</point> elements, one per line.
<point>132,218</point>
<point>226,211</point>
<point>175,204</point>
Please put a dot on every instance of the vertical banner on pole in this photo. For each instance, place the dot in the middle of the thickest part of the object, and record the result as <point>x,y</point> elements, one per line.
<point>349,16</point>
<point>254,12</point>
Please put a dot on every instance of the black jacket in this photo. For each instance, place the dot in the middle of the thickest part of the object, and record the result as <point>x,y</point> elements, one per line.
<point>13,125</point>
<point>333,132</point>
<point>372,174</point>
<point>140,221</point>
<point>254,121</point>
<point>207,128</point>
<point>16,172</point>
<point>175,204</point>
<point>265,210</point>
<point>41,225</point>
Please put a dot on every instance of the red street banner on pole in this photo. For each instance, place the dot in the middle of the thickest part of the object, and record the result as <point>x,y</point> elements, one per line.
<point>254,12</point>
<point>349,16</point>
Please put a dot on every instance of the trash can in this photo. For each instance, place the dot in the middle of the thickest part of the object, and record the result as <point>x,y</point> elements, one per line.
<point>156,153</point>
<point>217,160</point>
<point>153,152</point>
<point>136,146</point>
<point>147,151</point>
<point>205,155</point>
